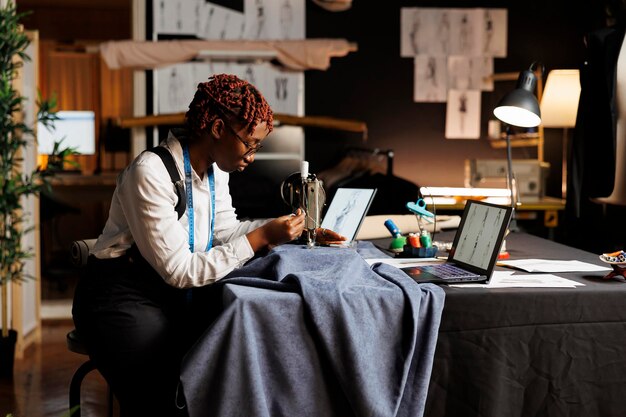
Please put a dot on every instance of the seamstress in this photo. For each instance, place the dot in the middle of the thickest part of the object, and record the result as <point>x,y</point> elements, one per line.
<point>132,307</point>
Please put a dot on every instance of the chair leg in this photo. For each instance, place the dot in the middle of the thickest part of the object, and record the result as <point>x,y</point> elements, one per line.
<point>75,384</point>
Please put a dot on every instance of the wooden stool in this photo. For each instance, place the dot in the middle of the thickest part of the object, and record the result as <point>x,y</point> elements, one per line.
<point>75,345</point>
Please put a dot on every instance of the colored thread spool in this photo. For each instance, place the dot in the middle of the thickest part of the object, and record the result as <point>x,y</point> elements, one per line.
<point>393,229</point>
<point>414,240</point>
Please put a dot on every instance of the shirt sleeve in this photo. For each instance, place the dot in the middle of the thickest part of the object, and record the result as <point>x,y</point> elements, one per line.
<point>147,198</point>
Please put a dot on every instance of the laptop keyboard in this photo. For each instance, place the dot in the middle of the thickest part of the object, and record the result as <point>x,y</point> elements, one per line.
<point>447,271</point>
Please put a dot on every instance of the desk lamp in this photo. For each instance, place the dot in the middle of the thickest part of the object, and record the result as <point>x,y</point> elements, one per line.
<point>559,106</point>
<point>518,108</point>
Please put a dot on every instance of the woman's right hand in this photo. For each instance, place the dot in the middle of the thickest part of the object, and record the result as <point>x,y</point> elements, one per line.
<point>280,230</point>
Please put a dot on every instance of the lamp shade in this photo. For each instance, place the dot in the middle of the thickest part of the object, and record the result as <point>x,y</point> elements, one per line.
<point>559,103</point>
<point>520,107</point>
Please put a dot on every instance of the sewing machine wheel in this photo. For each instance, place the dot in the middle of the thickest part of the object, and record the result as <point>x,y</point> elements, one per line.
<point>291,191</point>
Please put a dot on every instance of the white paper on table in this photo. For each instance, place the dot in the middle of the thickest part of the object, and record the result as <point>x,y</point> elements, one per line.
<point>504,279</point>
<point>549,265</point>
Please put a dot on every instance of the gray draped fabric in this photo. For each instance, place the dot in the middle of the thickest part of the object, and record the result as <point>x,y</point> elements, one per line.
<point>316,332</point>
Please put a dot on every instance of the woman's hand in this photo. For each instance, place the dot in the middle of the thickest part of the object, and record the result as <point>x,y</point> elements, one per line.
<point>327,236</point>
<point>280,230</point>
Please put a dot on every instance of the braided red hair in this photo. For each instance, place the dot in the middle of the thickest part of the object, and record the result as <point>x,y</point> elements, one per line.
<point>227,96</point>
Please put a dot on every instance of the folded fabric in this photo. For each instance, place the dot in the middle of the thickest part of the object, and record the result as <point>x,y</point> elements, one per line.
<point>296,54</point>
<point>312,332</point>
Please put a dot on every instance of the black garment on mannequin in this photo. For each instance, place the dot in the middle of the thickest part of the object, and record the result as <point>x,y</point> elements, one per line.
<point>592,164</point>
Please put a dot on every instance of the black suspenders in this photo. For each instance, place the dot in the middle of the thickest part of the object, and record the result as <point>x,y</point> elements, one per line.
<point>179,184</point>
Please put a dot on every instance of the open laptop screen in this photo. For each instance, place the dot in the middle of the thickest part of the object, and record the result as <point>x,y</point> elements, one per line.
<point>481,230</point>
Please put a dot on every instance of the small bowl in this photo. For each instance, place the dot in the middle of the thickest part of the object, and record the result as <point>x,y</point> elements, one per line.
<point>610,258</point>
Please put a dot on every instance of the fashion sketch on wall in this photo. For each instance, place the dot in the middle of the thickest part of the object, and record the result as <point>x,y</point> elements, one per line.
<point>274,19</point>
<point>470,73</point>
<point>468,38</point>
<point>175,85</point>
<point>282,89</point>
<point>220,23</point>
<point>176,17</point>
<point>463,114</point>
<point>426,31</point>
<point>260,19</point>
<point>466,32</point>
<point>494,33</point>
<point>431,84</point>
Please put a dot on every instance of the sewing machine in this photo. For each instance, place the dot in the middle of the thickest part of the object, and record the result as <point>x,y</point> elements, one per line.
<point>305,191</point>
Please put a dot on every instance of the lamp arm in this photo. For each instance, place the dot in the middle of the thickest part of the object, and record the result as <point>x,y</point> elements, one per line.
<point>511,184</point>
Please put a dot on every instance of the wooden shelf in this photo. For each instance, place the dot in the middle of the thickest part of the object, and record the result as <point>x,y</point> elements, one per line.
<point>517,141</point>
<point>323,122</point>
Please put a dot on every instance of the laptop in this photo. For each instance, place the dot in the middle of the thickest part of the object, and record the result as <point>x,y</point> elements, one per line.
<point>475,248</point>
<point>346,212</point>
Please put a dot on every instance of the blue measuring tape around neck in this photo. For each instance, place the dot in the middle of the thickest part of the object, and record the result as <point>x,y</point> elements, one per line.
<point>189,191</point>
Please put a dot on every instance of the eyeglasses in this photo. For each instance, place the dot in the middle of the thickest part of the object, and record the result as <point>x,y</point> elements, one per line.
<point>251,149</point>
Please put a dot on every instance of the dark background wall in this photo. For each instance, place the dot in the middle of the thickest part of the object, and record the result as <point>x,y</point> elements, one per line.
<point>375,84</point>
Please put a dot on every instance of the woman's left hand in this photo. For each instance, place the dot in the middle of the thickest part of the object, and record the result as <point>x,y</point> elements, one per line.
<point>327,236</point>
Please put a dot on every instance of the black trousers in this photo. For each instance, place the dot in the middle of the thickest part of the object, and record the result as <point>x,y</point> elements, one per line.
<point>136,329</point>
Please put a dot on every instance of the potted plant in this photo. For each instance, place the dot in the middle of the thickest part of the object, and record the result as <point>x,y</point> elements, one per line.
<point>58,159</point>
<point>14,183</point>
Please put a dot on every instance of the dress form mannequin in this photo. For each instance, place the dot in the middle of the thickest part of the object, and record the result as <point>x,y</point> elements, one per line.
<point>618,196</point>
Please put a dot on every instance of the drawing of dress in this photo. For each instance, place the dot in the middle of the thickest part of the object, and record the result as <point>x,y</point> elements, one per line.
<point>224,28</point>
<point>465,34</point>
<point>179,17</point>
<point>443,33</point>
<point>281,88</point>
<point>249,76</point>
<point>162,14</point>
<point>462,110</point>
<point>260,19</point>
<point>176,95</point>
<point>415,33</point>
<point>489,32</point>
<point>286,19</point>
<point>207,25</point>
<point>430,79</point>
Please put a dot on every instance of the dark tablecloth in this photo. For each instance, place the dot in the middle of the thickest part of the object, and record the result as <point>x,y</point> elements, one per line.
<point>532,352</point>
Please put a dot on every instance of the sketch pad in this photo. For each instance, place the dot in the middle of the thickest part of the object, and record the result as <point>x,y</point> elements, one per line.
<point>347,210</point>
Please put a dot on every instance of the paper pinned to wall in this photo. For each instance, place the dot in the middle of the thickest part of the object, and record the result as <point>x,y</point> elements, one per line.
<point>177,84</point>
<point>259,20</point>
<point>275,19</point>
<point>466,30</point>
<point>176,17</point>
<point>431,79</point>
<point>220,23</point>
<point>467,38</point>
<point>175,89</point>
<point>463,114</point>
<point>470,73</point>
<point>494,33</point>
<point>453,31</point>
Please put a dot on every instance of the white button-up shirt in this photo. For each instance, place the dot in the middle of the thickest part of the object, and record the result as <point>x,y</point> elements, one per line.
<point>142,211</point>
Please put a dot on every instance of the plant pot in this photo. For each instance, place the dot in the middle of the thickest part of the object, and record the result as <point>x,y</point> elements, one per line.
<point>7,354</point>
